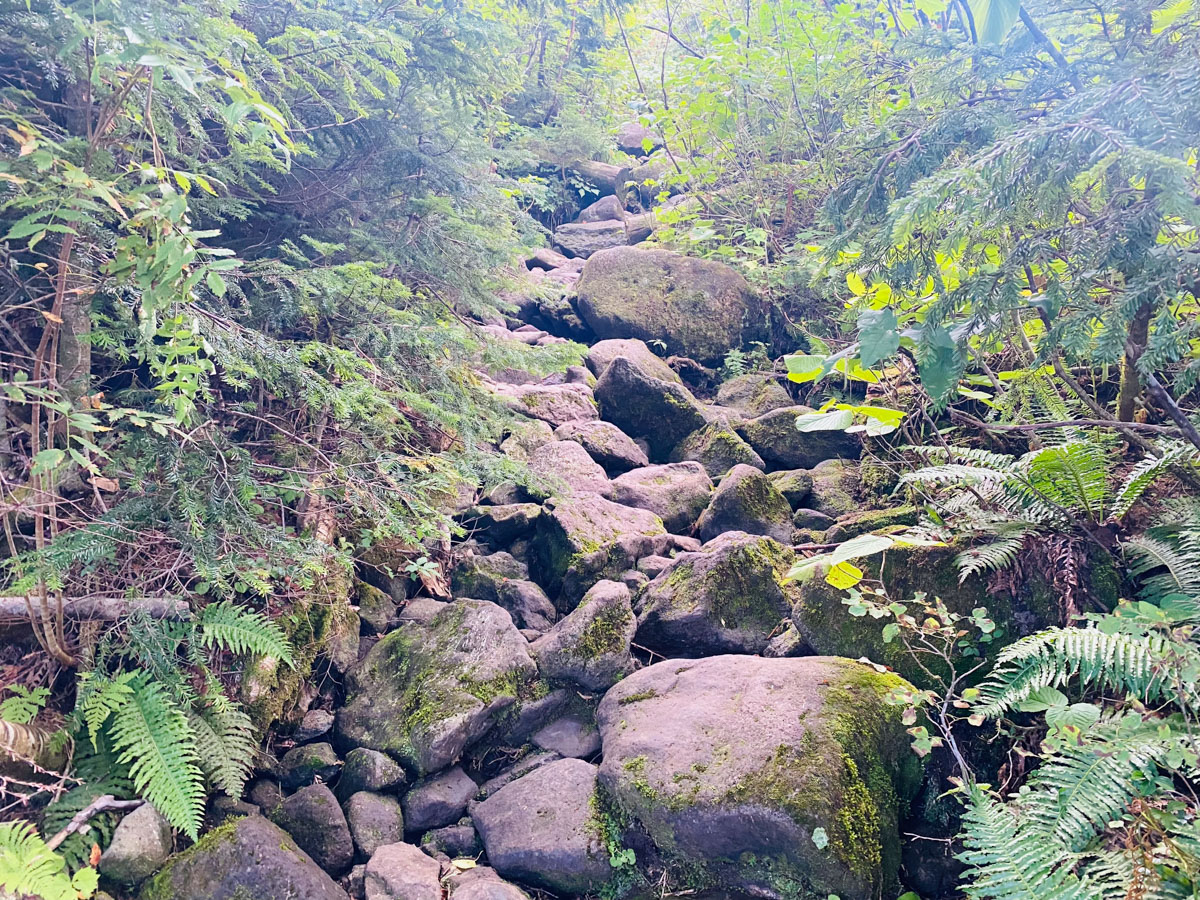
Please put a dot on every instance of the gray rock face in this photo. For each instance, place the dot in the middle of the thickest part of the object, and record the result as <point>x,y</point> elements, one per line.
<point>636,139</point>
<point>754,394</point>
<point>376,609</point>
<point>727,598</point>
<point>540,829</point>
<point>247,858</point>
<point>402,872</point>
<point>482,883</point>
<point>746,500</point>
<point>775,438</point>
<point>425,692</point>
<point>500,525</point>
<point>606,444</point>
<point>566,465</point>
<point>730,763</point>
<point>526,436</point>
<point>570,737</point>
<point>718,448</point>
<point>603,210</point>
<point>374,820</point>
<point>591,645</point>
<point>316,722</point>
<point>583,239</point>
<point>601,353</point>
<point>481,577</point>
<point>454,840</point>
<point>676,492</point>
<point>368,770</point>
<point>304,764</point>
<point>518,770</point>
<point>698,308</point>
<point>661,412</point>
<point>317,824</point>
<point>527,604</point>
<point>794,484</point>
<point>554,404</point>
<point>140,845</point>
<point>833,487</point>
<point>438,800</point>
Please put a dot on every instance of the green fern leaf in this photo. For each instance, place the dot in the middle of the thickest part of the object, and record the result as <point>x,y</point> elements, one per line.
<point>28,868</point>
<point>240,630</point>
<point>227,744</point>
<point>1149,470</point>
<point>151,735</point>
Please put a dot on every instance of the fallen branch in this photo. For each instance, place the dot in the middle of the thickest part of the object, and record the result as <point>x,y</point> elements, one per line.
<point>103,803</point>
<point>104,609</point>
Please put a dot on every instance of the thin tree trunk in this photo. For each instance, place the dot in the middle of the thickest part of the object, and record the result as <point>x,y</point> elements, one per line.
<point>1135,344</point>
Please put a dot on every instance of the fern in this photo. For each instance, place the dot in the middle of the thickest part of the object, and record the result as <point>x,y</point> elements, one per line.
<point>1008,860</point>
<point>240,630</point>
<point>28,868</point>
<point>226,742</point>
<point>1178,558</point>
<point>23,707</point>
<point>1132,663</point>
<point>151,736</point>
<point>995,555</point>
<point>99,697</point>
<point>1149,470</point>
<point>1073,475</point>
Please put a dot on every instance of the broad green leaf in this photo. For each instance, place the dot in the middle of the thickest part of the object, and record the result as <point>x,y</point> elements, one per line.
<point>994,18</point>
<point>863,545</point>
<point>803,369</point>
<point>1043,699</point>
<point>838,420</point>
<point>48,460</point>
<point>939,364</point>
<point>877,335</point>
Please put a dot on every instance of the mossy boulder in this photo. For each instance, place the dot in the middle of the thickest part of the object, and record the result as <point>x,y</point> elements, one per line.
<point>502,524</point>
<point>368,770</point>
<point>794,484</point>
<point>776,439</point>
<point>698,308</point>
<point>316,822</point>
<point>601,353</point>
<point>730,765</point>
<point>426,692</point>
<point>746,500</point>
<point>676,492</point>
<point>243,859</point>
<point>584,239</point>
<point>660,412</point>
<point>524,438</point>
<point>376,609</point>
<point>754,394</point>
<point>481,577</point>
<point>590,646</point>
<point>374,820</point>
<point>718,448</point>
<point>835,488</point>
<point>565,466</point>
<point>728,597</point>
<point>606,444</point>
<point>554,404</point>
<point>882,520</point>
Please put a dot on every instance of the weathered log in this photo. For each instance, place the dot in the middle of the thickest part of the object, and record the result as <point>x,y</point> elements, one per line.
<point>105,609</point>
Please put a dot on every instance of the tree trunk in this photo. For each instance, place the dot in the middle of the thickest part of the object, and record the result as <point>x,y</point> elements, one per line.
<point>1135,344</point>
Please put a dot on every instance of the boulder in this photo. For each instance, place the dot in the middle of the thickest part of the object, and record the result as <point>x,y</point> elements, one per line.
<point>527,604</point>
<point>402,872</point>
<point>426,692</point>
<point>553,404</point>
<point>566,466</point>
<point>584,239</point>
<point>727,598</point>
<point>754,394</point>
<point>718,448</point>
<point>775,438</point>
<point>676,492</point>
<point>438,800</point>
<point>601,353</point>
<point>374,820</point>
<point>316,822</point>
<point>453,840</point>
<point>140,845</point>
<point>856,523</point>
<point>577,527</point>
<point>247,857</point>
<point>636,139</point>
<point>746,500</point>
<point>603,210</point>
<point>590,647</point>
<point>481,883</point>
<point>541,829</point>
<point>731,764</point>
<point>570,737</point>
<point>368,770</point>
<point>482,577</point>
<point>698,308</point>
<point>308,763</point>
<point>662,412</point>
<point>794,484</point>
<point>606,444</point>
<point>524,438</point>
<point>834,489</point>
<point>376,608</point>
<point>545,258</point>
<point>519,769</point>
<point>500,525</point>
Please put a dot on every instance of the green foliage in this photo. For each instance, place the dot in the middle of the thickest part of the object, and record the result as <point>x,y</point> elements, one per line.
<point>28,868</point>
<point>24,704</point>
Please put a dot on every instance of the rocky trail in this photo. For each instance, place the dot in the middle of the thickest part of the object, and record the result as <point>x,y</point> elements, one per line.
<point>621,692</point>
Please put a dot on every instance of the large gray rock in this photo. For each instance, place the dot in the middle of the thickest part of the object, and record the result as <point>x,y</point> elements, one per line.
<point>502,524</point>
<point>316,822</point>
<point>565,466</point>
<point>776,439</point>
<point>834,488</point>
<point>374,820</point>
<point>569,736</point>
<point>528,604</point>
<point>585,239</point>
<point>605,209</point>
<point>308,763</point>
<point>247,857</point>
<point>438,800</point>
<point>426,692</point>
<point>524,438</point>
<point>482,576</point>
<point>718,448</point>
<point>636,139</point>
<point>554,404</point>
<point>402,872</point>
<point>368,770</point>
<point>574,529</point>
<point>754,394</point>
<point>606,444</point>
<point>746,500</point>
<point>794,484</point>
<point>590,647</point>
<point>698,308</point>
<point>482,883</point>
<point>727,598</point>
<point>140,845</point>
<point>676,492</point>
<point>729,765</point>
<point>541,829</point>
<point>601,353</point>
<point>662,413</point>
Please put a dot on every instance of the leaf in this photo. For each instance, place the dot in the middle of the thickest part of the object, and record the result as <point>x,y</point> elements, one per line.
<point>844,575</point>
<point>994,18</point>
<point>1042,699</point>
<point>877,335</point>
<point>820,838</point>
<point>855,282</point>
<point>837,420</point>
<point>48,459</point>
<point>215,283</point>
<point>858,547</point>
<point>939,364</point>
<point>1078,715</point>
<point>802,369</point>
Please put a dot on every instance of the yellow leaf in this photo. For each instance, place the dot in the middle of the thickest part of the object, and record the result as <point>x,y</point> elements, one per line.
<point>56,319</point>
<point>857,286</point>
<point>844,575</point>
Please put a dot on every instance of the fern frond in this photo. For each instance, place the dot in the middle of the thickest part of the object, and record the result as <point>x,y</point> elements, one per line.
<point>98,697</point>
<point>227,744</point>
<point>240,630</point>
<point>28,868</point>
<point>1009,860</point>
<point>1180,557</point>
<point>955,474</point>
<point>1149,470</point>
<point>1073,474</point>
<point>1116,872</point>
<point>1135,664</point>
<point>151,735</point>
<point>990,557</point>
